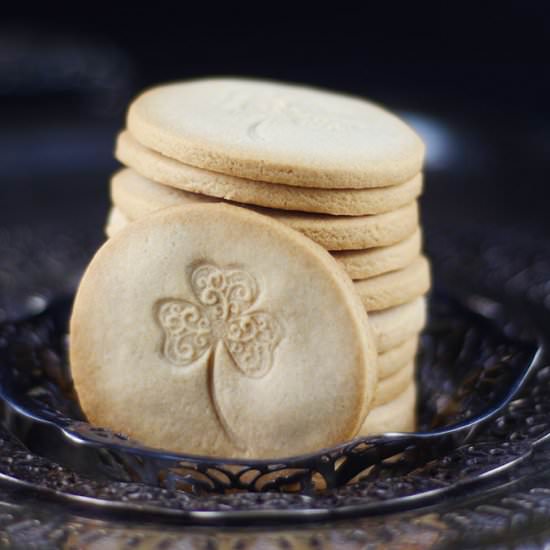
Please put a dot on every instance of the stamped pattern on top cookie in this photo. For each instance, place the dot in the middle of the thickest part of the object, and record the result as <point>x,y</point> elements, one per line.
<point>270,107</point>
<point>223,317</point>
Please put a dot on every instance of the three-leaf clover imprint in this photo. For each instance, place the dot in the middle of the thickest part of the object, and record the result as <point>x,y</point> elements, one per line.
<point>223,316</point>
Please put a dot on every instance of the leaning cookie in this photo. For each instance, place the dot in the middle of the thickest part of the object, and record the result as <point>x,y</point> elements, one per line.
<point>185,342</point>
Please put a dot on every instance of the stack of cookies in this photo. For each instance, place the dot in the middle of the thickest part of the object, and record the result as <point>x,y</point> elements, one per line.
<point>340,170</point>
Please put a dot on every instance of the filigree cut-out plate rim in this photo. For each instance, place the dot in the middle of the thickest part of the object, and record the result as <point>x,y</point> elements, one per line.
<point>310,511</point>
<point>84,433</point>
<point>305,507</point>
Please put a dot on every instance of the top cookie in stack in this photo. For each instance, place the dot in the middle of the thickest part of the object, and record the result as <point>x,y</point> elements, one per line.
<point>277,133</point>
<point>341,170</point>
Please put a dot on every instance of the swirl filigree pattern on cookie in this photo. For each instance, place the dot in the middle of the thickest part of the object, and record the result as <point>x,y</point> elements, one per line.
<point>223,316</point>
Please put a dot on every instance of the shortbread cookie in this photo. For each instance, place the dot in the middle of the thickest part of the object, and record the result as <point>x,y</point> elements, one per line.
<point>396,358</point>
<point>362,264</point>
<point>352,202</point>
<point>392,386</point>
<point>395,288</point>
<point>398,415</point>
<point>352,233</point>
<point>394,325</point>
<point>214,330</point>
<point>136,196</point>
<point>116,221</point>
<point>277,132</point>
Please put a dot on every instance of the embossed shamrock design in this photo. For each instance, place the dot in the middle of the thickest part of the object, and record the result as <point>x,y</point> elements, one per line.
<point>268,108</point>
<point>222,317</point>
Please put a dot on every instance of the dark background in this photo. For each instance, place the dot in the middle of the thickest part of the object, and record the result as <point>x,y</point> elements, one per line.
<point>474,81</point>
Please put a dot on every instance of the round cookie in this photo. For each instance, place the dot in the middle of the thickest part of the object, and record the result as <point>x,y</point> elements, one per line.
<point>398,415</point>
<point>279,133</point>
<point>395,288</point>
<point>136,196</point>
<point>351,202</point>
<point>192,331</point>
<point>394,325</point>
<point>116,221</point>
<point>391,387</point>
<point>363,264</point>
<point>396,358</point>
<point>352,233</point>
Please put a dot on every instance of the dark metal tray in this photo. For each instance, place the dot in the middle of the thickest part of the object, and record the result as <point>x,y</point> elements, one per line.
<point>473,427</point>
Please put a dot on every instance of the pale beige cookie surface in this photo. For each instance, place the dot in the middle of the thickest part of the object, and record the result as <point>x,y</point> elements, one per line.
<point>136,196</point>
<point>116,221</point>
<point>277,132</point>
<point>394,325</point>
<point>352,202</point>
<point>379,261</point>
<point>352,233</point>
<point>395,288</point>
<point>398,415</point>
<point>362,264</point>
<point>391,387</point>
<point>214,330</point>
<point>389,362</point>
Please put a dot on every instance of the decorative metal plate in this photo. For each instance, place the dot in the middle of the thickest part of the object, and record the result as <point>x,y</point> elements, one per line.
<point>474,361</point>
